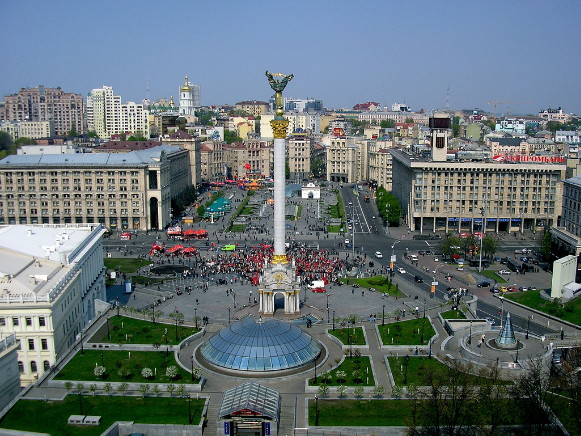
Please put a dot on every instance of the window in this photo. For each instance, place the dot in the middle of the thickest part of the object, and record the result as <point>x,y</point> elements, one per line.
<point>2,321</point>
<point>42,321</point>
<point>28,321</point>
<point>44,344</point>
<point>15,321</point>
<point>20,367</point>
<point>46,365</point>
<point>31,344</point>
<point>33,367</point>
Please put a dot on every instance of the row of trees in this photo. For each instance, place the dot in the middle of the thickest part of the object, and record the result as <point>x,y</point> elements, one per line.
<point>388,206</point>
<point>451,245</point>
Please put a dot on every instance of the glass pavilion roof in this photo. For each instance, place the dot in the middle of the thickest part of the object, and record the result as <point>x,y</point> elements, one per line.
<point>257,345</point>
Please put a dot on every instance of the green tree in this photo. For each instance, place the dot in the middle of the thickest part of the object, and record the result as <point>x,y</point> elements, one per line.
<point>92,134</point>
<point>122,388</point>
<point>231,136</point>
<point>108,388</point>
<point>205,118</point>
<point>6,142</point>
<point>323,390</point>
<point>489,246</point>
<point>181,390</point>
<point>73,132</point>
<point>170,388</point>
<point>387,124</point>
<point>456,126</point>
<point>449,245</point>
<point>388,205</point>
<point>93,388</point>
<point>318,167</point>
<point>553,126</point>
<point>341,390</point>
<point>68,386</point>
<point>144,389</point>
<point>23,141</point>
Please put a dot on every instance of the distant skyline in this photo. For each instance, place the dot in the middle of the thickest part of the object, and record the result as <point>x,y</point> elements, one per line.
<point>523,54</point>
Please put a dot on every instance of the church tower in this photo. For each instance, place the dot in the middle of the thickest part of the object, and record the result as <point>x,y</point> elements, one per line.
<point>189,98</point>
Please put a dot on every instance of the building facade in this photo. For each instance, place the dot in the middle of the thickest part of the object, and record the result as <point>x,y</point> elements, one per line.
<point>107,116</point>
<point>52,277</point>
<point>299,148</point>
<point>252,107</point>
<point>64,109</point>
<point>28,129</point>
<point>341,158</point>
<point>189,98</point>
<point>9,374</point>
<point>118,190</point>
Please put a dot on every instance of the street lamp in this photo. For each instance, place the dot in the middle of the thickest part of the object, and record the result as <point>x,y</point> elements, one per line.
<point>383,315</point>
<point>229,308</point>
<point>316,370</point>
<point>423,322</point>
<point>102,361</point>
<point>406,360</point>
<point>196,316</point>
<point>328,318</point>
<point>470,335</point>
<point>192,360</point>
<point>528,325</point>
<point>316,410</point>
<point>501,310</point>
<point>333,320</point>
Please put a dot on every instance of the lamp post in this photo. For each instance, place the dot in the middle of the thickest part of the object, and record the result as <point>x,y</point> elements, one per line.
<point>196,316</point>
<point>333,320</point>
<point>192,360</point>
<point>102,361</point>
<point>406,360</point>
<point>229,308</point>
<point>189,409</point>
<point>423,322</point>
<point>316,410</point>
<point>470,335</point>
<point>501,311</point>
<point>316,370</point>
<point>528,325</point>
<point>166,346</point>
<point>328,318</point>
<point>383,315</point>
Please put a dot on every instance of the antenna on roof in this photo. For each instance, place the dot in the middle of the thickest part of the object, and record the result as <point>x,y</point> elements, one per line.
<point>447,99</point>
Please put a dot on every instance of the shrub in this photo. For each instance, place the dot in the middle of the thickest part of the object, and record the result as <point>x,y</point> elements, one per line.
<point>171,372</point>
<point>99,371</point>
<point>358,391</point>
<point>146,373</point>
<point>341,376</point>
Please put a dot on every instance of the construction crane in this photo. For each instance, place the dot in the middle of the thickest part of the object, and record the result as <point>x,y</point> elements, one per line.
<point>496,103</point>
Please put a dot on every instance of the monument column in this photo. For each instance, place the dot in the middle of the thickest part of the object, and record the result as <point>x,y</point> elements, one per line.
<point>279,128</point>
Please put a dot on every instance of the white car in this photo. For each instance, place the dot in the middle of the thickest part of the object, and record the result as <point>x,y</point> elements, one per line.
<point>436,259</point>
<point>401,270</point>
<point>378,254</point>
<point>347,241</point>
<point>504,271</point>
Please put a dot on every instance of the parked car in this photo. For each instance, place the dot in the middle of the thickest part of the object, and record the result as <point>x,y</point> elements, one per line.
<point>347,241</point>
<point>378,254</point>
<point>504,271</point>
<point>319,290</point>
<point>483,284</point>
<point>401,270</point>
<point>494,290</point>
<point>512,289</point>
<point>503,289</point>
<point>418,279</point>
<point>523,289</point>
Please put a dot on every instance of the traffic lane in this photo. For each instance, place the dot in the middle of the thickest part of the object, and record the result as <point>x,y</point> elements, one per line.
<point>519,323</point>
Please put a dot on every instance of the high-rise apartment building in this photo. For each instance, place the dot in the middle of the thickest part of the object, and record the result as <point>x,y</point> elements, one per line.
<point>64,109</point>
<point>107,116</point>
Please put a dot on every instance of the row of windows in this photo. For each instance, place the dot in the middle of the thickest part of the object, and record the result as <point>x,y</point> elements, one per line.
<point>32,342</point>
<point>33,366</point>
<point>27,321</point>
<point>73,173</point>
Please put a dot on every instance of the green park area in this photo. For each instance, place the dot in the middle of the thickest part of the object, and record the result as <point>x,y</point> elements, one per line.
<point>51,416</point>
<point>490,274</point>
<point>353,371</point>
<point>569,311</point>
<point>417,331</point>
<point>378,283</point>
<point>352,336</point>
<point>400,413</point>
<point>453,314</point>
<point>125,330</point>
<point>125,366</point>
<point>125,265</point>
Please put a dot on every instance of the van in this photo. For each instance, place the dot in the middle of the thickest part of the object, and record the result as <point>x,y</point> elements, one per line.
<point>414,258</point>
<point>316,284</point>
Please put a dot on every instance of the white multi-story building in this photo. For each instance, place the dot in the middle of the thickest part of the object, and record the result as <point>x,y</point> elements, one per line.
<point>308,122</point>
<point>52,279</point>
<point>28,129</point>
<point>569,136</point>
<point>107,116</point>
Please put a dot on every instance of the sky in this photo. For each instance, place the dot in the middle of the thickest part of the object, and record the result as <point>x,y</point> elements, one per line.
<point>523,55</point>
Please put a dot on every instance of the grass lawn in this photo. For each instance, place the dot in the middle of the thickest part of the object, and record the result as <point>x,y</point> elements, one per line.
<point>361,413</point>
<point>418,367</point>
<point>453,314</point>
<point>126,265</point>
<point>343,335</point>
<point>376,413</point>
<point>238,228</point>
<point>82,366</point>
<point>124,330</point>
<point>567,412</point>
<point>379,283</point>
<point>406,332</point>
<point>51,416</point>
<point>493,276</point>
<point>333,229</point>
<point>570,311</point>
<point>247,210</point>
<point>349,365</point>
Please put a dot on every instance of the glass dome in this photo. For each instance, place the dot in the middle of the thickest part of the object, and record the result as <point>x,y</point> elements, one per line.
<point>257,345</point>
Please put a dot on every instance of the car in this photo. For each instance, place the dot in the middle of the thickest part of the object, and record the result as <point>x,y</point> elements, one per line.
<point>483,284</point>
<point>401,270</point>
<point>512,289</point>
<point>378,254</point>
<point>418,279</point>
<point>490,320</point>
<point>436,259</point>
<point>421,252</point>
<point>494,290</point>
<point>350,226</point>
<point>503,289</point>
<point>523,288</point>
<point>319,290</point>
<point>347,241</point>
<point>504,271</point>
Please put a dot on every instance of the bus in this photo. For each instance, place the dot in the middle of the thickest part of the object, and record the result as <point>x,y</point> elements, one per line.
<point>513,265</point>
